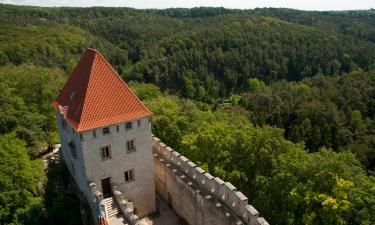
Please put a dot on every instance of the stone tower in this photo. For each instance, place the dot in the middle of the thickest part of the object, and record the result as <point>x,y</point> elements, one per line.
<point>105,133</point>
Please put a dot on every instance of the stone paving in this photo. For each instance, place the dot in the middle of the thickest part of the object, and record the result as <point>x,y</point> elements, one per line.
<point>167,215</point>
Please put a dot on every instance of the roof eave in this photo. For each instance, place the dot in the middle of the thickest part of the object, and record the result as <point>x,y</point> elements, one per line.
<point>83,129</point>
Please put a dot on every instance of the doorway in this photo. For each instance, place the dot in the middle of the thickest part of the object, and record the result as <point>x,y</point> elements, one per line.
<point>106,187</point>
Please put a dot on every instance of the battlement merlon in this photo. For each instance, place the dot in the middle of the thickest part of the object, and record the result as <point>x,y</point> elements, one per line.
<point>224,191</point>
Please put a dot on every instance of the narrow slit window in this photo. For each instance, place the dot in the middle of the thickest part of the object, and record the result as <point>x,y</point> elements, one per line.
<point>73,170</point>
<point>139,123</point>
<point>128,125</point>
<point>63,123</point>
<point>118,128</point>
<point>73,150</point>
<point>94,133</point>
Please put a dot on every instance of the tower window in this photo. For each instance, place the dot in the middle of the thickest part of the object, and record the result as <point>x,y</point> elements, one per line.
<point>130,146</point>
<point>129,175</point>
<point>94,133</point>
<point>105,152</point>
<point>72,148</point>
<point>106,130</point>
<point>128,125</point>
<point>118,128</point>
<point>73,170</point>
<point>139,123</point>
<point>81,137</point>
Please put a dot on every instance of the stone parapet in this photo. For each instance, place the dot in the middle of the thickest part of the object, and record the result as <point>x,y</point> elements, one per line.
<point>126,206</point>
<point>213,188</point>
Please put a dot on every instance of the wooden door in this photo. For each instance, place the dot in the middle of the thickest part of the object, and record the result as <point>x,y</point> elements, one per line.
<point>106,187</point>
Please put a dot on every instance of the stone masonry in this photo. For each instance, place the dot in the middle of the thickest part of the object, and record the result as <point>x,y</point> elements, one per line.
<point>88,168</point>
<point>141,191</point>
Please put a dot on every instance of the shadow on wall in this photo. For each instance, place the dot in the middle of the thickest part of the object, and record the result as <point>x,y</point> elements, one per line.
<point>165,214</point>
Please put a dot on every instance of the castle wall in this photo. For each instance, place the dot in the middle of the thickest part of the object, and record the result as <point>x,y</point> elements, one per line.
<point>197,196</point>
<point>141,191</point>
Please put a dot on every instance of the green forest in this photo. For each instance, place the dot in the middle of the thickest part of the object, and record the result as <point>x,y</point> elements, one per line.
<point>279,102</point>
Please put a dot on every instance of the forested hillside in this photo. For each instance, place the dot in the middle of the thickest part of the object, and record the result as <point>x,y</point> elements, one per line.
<point>358,24</point>
<point>279,102</point>
<point>337,112</point>
<point>209,55</point>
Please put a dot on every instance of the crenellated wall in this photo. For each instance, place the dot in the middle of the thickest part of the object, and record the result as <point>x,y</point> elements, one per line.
<point>197,196</point>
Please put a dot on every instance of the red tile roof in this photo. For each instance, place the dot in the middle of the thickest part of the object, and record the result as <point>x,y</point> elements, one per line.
<point>96,96</point>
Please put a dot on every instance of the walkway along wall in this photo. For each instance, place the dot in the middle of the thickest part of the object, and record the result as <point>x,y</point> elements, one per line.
<point>197,196</point>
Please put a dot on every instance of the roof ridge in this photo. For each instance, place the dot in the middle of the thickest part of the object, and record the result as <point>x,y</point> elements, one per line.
<point>84,106</point>
<point>87,87</point>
